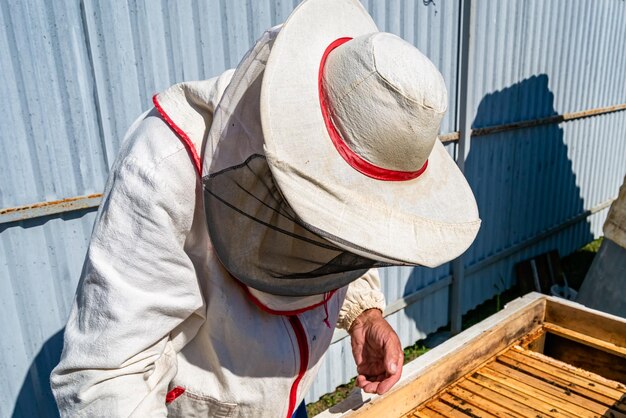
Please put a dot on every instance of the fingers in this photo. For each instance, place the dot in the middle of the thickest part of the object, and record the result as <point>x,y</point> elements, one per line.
<point>373,379</point>
<point>394,356</point>
<point>378,384</point>
<point>372,368</point>
<point>388,383</point>
<point>394,359</point>
<point>392,365</point>
<point>367,385</point>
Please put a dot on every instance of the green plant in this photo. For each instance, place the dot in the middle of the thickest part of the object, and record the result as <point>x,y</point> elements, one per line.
<point>500,289</point>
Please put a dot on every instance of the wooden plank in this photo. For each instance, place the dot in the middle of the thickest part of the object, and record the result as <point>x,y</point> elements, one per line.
<point>564,378</point>
<point>527,340</point>
<point>536,398</point>
<point>578,318</point>
<point>450,411</point>
<point>423,414</point>
<point>596,379</point>
<point>566,391</point>
<point>580,355</point>
<point>432,413</point>
<point>535,342</point>
<point>507,397</point>
<point>486,404</point>
<point>542,393</point>
<point>457,357</point>
<point>566,394</point>
<point>586,339</point>
<point>460,404</point>
<point>530,408</point>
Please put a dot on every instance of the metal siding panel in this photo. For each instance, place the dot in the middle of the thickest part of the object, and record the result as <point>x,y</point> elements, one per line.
<point>260,17</point>
<point>580,54</point>
<point>52,150</point>
<point>142,47</point>
<point>110,37</point>
<point>235,22</point>
<point>539,191</point>
<point>598,155</point>
<point>42,259</point>
<point>489,281</point>
<point>543,175</point>
<point>14,359</point>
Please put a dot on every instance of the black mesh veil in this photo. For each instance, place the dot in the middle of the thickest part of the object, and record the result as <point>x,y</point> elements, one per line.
<point>261,242</point>
<point>255,233</point>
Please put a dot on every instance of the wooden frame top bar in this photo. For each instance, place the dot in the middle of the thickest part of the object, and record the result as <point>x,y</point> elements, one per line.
<point>432,374</point>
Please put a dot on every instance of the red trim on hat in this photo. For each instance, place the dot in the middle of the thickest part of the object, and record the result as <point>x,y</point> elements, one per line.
<point>356,161</point>
<point>181,134</point>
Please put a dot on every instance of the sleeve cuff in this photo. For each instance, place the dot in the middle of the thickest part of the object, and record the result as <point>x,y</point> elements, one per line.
<point>363,294</point>
<point>345,321</point>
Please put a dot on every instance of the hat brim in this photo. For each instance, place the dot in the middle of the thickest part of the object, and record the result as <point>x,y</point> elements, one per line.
<point>425,221</point>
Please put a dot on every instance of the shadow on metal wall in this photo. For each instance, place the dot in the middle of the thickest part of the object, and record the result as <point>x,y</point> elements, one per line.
<point>35,397</point>
<point>524,185</point>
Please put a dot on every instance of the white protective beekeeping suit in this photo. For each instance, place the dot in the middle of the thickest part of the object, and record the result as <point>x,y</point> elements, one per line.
<point>156,313</point>
<point>232,237</point>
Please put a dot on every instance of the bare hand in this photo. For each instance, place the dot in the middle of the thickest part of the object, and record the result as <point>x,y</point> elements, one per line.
<point>377,352</point>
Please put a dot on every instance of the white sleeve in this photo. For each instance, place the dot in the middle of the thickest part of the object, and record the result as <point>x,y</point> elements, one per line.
<point>137,283</point>
<point>364,293</point>
<point>136,286</point>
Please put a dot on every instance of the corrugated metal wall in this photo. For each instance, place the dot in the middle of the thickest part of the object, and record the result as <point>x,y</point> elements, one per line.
<point>533,59</point>
<point>74,74</point>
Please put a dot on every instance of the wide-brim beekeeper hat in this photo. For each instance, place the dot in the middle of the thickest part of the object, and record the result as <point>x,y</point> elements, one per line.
<point>323,160</point>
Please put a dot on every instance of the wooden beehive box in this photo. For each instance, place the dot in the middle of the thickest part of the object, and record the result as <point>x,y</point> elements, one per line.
<point>539,357</point>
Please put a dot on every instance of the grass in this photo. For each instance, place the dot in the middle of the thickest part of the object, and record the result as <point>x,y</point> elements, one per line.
<point>330,399</point>
<point>575,267</point>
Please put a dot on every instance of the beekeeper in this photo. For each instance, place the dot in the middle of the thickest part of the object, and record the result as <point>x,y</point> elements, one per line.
<point>244,217</point>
